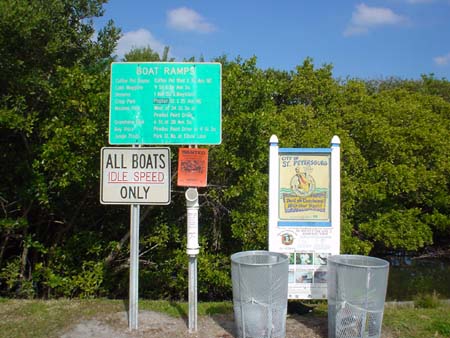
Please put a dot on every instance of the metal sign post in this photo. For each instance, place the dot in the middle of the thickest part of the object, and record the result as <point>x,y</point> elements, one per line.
<point>192,293</point>
<point>135,221</point>
<point>134,267</point>
<point>192,251</point>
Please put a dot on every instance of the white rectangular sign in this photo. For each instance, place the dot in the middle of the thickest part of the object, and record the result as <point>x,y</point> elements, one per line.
<point>135,176</point>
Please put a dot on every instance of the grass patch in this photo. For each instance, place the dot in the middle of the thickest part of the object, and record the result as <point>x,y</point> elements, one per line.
<point>47,319</point>
<point>407,322</point>
<point>440,327</point>
<point>427,300</point>
<point>180,309</point>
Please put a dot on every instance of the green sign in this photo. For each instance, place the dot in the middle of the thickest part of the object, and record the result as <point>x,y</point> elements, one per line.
<point>165,103</point>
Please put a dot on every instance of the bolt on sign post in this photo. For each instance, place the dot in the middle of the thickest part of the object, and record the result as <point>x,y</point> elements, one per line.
<point>304,213</point>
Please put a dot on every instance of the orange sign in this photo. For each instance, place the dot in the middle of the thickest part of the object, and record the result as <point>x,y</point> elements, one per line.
<point>192,167</point>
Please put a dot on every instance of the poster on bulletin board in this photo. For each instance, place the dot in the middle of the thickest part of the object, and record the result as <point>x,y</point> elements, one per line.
<point>304,214</point>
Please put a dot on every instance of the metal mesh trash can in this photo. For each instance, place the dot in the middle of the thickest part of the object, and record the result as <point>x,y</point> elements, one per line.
<point>356,294</point>
<point>260,290</point>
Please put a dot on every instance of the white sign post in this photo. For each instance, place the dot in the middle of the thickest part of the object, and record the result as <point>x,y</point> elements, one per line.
<point>304,213</point>
<point>192,207</point>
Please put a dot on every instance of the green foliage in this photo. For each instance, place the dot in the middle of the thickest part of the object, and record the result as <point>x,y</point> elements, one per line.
<point>213,276</point>
<point>10,274</point>
<point>53,96</point>
<point>147,54</point>
<point>164,265</point>
<point>88,283</point>
<point>398,229</point>
<point>427,300</point>
<point>440,327</point>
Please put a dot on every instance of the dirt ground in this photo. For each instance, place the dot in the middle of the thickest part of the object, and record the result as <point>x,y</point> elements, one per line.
<point>157,325</point>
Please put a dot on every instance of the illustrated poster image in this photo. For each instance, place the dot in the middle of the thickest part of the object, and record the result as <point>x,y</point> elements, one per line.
<point>304,187</point>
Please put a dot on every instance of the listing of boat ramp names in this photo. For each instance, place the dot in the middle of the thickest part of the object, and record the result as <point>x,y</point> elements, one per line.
<point>165,103</point>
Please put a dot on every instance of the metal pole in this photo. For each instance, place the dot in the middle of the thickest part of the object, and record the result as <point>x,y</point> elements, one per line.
<point>192,293</point>
<point>134,267</point>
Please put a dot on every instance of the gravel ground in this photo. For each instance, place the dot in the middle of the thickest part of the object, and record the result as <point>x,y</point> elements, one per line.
<point>157,325</point>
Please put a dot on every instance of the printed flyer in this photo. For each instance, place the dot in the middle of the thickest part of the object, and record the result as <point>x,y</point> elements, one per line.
<point>192,167</point>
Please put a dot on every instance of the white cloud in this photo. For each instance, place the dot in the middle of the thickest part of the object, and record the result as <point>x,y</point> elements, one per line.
<point>419,1</point>
<point>137,39</point>
<point>443,60</point>
<point>365,18</point>
<point>186,19</point>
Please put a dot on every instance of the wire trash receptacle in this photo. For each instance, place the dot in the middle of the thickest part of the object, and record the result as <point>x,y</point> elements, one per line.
<point>356,294</point>
<point>260,290</point>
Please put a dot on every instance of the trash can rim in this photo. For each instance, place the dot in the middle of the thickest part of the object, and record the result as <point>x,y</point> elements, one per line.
<point>381,263</point>
<point>258,253</point>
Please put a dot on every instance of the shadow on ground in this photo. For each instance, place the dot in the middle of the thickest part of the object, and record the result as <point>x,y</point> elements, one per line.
<point>299,323</point>
<point>224,319</point>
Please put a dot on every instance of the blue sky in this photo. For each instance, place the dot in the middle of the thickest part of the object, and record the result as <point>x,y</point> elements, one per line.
<point>363,39</point>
